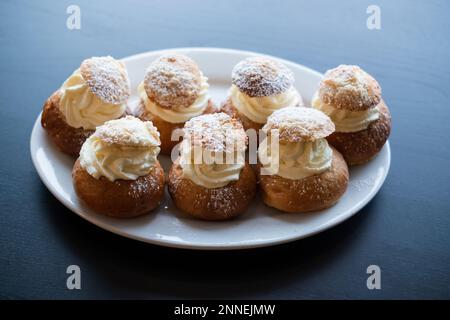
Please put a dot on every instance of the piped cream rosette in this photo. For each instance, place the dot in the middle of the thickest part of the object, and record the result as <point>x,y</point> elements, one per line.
<point>95,93</point>
<point>295,146</point>
<point>125,148</point>
<point>212,153</point>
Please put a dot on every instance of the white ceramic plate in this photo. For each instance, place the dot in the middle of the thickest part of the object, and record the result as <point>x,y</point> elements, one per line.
<point>259,226</point>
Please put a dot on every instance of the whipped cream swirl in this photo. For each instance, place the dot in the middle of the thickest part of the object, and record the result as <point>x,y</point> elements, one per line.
<point>82,108</point>
<point>125,149</point>
<point>346,120</point>
<point>209,170</point>
<point>258,109</point>
<point>178,115</point>
<point>296,160</point>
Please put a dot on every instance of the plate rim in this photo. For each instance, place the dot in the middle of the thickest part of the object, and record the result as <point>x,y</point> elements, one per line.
<point>220,49</point>
<point>196,246</point>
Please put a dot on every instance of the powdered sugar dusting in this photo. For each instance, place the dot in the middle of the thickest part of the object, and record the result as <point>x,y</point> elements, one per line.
<point>107,78</point>
<point>141,186</point>
<point>212,204</point>
<point>299,124</point>
<point>173,81</point>
<point>349,87</point>
<point>129,131</point>
<point>216,132</point>
<point>224,200</point>
<point>262,77</point>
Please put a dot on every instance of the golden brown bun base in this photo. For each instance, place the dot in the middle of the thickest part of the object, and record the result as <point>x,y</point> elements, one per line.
<point>212,204</point>
<point>228,108</point>
<point>68,139</point>
<point>313,193</point>
<point>362,146</point>
<point>121,198</point>
<point>165,128</point>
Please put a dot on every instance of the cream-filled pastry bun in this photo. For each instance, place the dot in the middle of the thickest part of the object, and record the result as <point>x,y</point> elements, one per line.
<point>259,87</point>
<point>210,179</point>
<point>298,171</point>
<point>95,93</point>
<point>118,173</point>
<point>173,91</point>
<point>352,99</point>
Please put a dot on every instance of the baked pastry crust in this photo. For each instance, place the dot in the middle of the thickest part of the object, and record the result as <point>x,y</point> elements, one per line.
<point>68,139</point>
<point>257,77</point>
<point>350,88</point>
<point>312,193</point>
<point>212,204</point>
<point>295,125</point>
<point>362,146</point>
<point>173,81</point>
<point>107,79</point>
<point>121,198</point>
<point>229,108</point>
<point>216,133</point>
<point>166,128</point>
<point>261,77</point>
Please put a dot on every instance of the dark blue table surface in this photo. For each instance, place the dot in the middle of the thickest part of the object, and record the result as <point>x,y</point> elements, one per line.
<point>404,229</point>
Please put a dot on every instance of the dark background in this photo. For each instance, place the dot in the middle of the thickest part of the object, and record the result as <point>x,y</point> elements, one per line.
<point>404,229</point>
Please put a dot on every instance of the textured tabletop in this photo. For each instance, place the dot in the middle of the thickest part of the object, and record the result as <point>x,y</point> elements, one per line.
<point>405,229</point>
